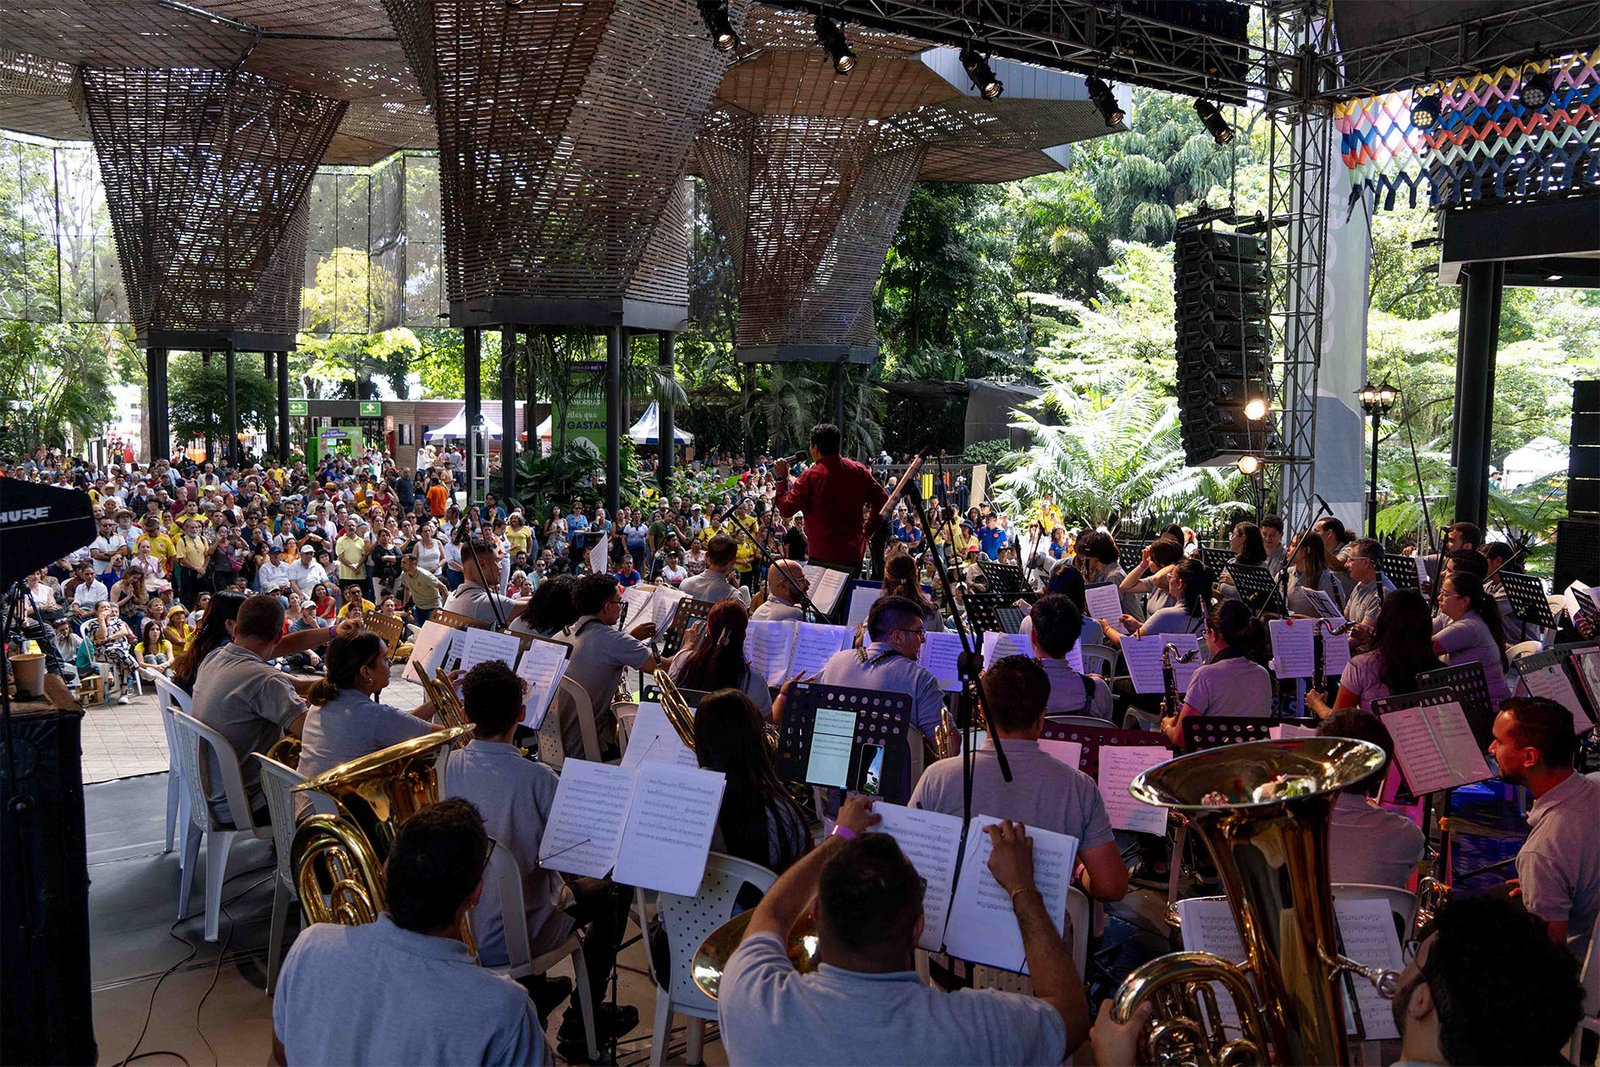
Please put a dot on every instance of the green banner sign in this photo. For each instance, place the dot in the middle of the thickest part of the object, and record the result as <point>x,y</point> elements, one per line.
<point>299,407</point>
<point>585,419</point>
<point>371,409</point>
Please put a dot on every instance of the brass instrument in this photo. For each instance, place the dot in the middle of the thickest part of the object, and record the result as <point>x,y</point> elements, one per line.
<point>946,736</point>
<point>1262,809</point>
<point>446,702</point>
<point>711,958</point>
<point>338,859</point>
<point>286,750</point>
<point>1171,703</point>
<point>679,714</point>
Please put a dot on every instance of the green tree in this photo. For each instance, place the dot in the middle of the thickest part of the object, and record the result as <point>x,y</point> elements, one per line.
<point>198,397</point>
<point>55,381</point>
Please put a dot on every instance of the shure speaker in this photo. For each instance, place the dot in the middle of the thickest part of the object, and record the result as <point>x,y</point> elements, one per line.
<point>1583,462</point>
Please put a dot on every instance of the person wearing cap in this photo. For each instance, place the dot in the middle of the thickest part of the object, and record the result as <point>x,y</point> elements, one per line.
<point>273,575</point>
<point>306,573</point>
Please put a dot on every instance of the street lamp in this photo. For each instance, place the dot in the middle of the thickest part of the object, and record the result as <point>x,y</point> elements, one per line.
<point>1376,400</point>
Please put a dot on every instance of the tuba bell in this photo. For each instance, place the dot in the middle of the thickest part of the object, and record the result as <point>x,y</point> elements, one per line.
<point>338,859</point>
<point>1262,809</point>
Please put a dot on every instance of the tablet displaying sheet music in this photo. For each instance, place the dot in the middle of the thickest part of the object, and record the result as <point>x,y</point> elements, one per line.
<point>1432,741</point>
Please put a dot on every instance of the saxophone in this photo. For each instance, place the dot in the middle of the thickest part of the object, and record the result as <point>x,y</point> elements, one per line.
<point>1171,703</point>
<point>1319,670</point>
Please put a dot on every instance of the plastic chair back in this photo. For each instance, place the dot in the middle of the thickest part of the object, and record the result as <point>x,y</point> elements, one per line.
<point>690,920</point>
<point>1098,659</point>
<point>194,737</point>
<point>1402,902</point>
<point>502,885</point>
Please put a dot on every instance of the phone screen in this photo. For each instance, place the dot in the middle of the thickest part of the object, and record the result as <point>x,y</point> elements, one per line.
<point>872,770</point>
<point>832,736</point>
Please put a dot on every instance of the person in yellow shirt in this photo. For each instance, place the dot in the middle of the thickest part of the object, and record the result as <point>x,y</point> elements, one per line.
<point>1049,514</point>
<point>354,602</point>
<point>193,557</point>
<point>351,550</point>
<point>742,527</point>
<point>518,534</point>
<point>161,546</point>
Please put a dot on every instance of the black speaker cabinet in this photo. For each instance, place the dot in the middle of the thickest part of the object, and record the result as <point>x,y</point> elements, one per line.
<point>45,1012</point>
<point>1577,552</point>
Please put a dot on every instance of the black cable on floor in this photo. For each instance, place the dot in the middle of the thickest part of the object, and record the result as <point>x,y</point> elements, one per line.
<point>221,955</point>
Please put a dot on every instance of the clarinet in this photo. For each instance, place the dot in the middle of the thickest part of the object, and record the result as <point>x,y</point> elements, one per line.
<point>1319,670</point>
<point>1171,705</point>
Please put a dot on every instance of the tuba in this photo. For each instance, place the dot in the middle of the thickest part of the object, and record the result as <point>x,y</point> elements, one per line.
<point>1262,809</point>
<point>338,859</point>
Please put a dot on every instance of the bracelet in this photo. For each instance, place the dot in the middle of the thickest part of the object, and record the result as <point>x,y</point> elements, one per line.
<point>842,832</point>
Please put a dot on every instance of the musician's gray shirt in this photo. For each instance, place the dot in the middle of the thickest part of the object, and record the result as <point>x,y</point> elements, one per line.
<point>474,601</point>
<point>1043,792</point>
<point>1559,863</point>
<point>600,654</point>
<point>250,703</point>
<point>886,671</point>
<point>714,587</point>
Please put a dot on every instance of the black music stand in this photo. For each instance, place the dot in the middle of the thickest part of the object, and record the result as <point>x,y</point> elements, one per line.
<point>1401,570</point>
<point>1528,601</point>
<point>1093,738</point>
<point>1130,555</point>
<point>1215,559</point>
<point>1560,656</point>
<point>881,719</point>
<point>685,614</point>
<point>1205,732</point>
<point>1471,689</point>
<point>1257,589</point>
<point>1001,577</point>
<point>995,612</point>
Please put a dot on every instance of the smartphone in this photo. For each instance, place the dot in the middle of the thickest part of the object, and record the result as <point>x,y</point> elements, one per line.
<point>872,770</point>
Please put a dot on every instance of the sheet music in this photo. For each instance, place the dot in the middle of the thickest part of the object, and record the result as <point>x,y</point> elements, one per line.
<point>663,604</point>
<point>862,597</point>
<point>1424,579</point>
<point>940,653</point>
<point>1143,657</point>
<point>584,830</point>
<point>814,644</point>
<point>598,555</point>
<point>478,645</point>
<point>1367,929</point>
<point>768,647</point>
<point>668,833</point>
<point>1325,606</point>
<point>1104,600</point>
<point>1335,654</point>
<point>982,927</point>
<point>931,841</point>
<point>1288,731</point>
<point>996,646</point>
<point>1587,663</point>
<point>1435,747</point>
<point>1293,649</point>
<point>1207,925</point>
<point>1553,683</point>
<point>1068,752</point>
<point>826,585</point>
<point>543,665</point>
<point>651,739</point>
<point>640,601</point>
<point>1074,656</point>
<point>1118,766</point>
<point>428,652</point>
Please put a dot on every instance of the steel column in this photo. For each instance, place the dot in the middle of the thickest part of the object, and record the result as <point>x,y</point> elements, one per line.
<point>272,426</point>
<point>508,416</point>
<point>160,443</point>
<point>284,440</point>
<point>231,449</point>
<point>613,420</point>
<point>1481,290</point>
<point>666,423</point>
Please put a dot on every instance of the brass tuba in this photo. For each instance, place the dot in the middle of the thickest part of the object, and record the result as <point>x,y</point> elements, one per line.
<point>1262,809</point>
<point>338,859</point>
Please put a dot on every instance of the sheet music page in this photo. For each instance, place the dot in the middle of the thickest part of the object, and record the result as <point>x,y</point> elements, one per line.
<point>668,833</point>
<point>826,585</point>
<point>931,841</point>
<point>1435,747</point>
<point>982,927</point>
<point>653,740</point>
<point>543,665</point>
<point>862,598</point>
<point>1293,652</point>
<point>428,651</point>
<point>1424,579</point>
<point>587,818</point>
<point>1143,657</point>
<point>597,557</point>
<point>1335,654</point>
<point>1325,606</point>
<point>663,604</point>
<point>1289,731</point>
<point>1074,656</point>
<point>1104,600</point>
<point>996,646</point>
<point>1553,683</point>
<point>1118,766</point>
<point>1068,752</point>
<point>940,653</point>
<point>768,647</point>
<point>1207,926</point>
<point>814,643</point>
<point>640,601</point>
<point>478,645</point>
<point>1367,929</point>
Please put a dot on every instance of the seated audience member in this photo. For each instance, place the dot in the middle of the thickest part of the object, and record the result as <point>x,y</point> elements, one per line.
<point>758,821</point>
<point>246,699</point>
<point>1367,844</point>
<point>299,622</point>
<point>353,603</point>
<point>717,659</point>
<point>719,581</point>
<point>786,584</point>
<point>1401,649</point>
<point>405,989</point>
<point>1558,866</point>
<point>1482,987</point>
<point>1363,602</point>
<point>514,795</point>
<point>866,1004</point>
<point>900,579</point>
<point>349,723</point>
<point>1231,683</point>
<point>600,653</point>
<point>1056,626</point>
<point>1043,791</point>
<point>1468,631</point>
<point>549,610</point>
<point>889,664</point>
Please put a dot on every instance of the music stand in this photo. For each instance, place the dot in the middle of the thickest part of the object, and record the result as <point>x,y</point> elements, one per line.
<point>1215,559</point>
<point>1559,657</point>
<point>1130,556</point>
<point>1213,731</point>
<point>1401,570</point>
<point>1001,577</point>
<point>686,613</point>
<point>1257,589</point>
<point>880,719</point>
<point>1528,601</point>
<point>1471,690</point>
<point>1093,738</point>
<point>994,612</point>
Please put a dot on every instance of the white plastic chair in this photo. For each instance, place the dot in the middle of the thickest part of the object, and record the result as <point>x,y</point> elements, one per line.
<point>688,922</point>
<point>1590,976</point>
<point>1091,721</point>
<point>1098,659</point>
<point>168,696</point>
<point>502,884</point>
<point>276,782</point>
<point>570,699</point>
<point>194,737</point>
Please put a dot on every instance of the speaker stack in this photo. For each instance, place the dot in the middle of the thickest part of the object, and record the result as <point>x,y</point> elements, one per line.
<point>1221,289</point>
<point>1578,535</point>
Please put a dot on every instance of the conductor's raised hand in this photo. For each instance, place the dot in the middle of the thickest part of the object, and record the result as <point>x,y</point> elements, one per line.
<point>780,469</point>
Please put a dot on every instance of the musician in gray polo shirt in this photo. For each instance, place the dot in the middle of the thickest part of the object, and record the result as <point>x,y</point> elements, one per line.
<point>405,989</point>
<point>865,1004</point>
<point>600,653</point>
<point>889,663</point>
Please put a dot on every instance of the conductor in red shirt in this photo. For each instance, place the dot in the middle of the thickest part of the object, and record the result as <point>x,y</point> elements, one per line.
<point>840,497</point>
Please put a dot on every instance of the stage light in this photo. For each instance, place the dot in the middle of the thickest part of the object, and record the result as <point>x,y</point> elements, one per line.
<point>1105,101</point>
<point>1255,409</point>
<point>1424,110</point>
<point>831,38</point>
<point>1536,88</point>
<point>1212,120</point>
<point>1249,465</point>
<point>981,74</point>
<point>714,13</point>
